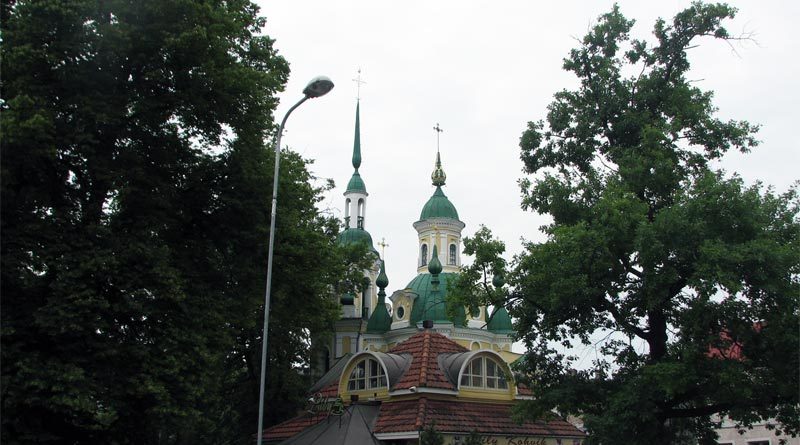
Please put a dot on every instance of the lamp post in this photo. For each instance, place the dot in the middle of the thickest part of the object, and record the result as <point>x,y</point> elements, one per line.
<point>319,86</point>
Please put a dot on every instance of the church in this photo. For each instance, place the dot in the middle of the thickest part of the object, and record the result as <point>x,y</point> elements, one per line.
<point>395,368</point>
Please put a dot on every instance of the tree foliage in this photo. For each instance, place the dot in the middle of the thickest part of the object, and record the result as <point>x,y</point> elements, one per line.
<point>684,278</point>
<point>135,197</point>
<point>476,286</point>
<point>430,435</point>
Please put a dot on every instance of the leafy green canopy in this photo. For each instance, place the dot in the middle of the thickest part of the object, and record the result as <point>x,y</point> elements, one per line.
<point>685,278</point>
<point>480,283</point>
<point>135,197</point>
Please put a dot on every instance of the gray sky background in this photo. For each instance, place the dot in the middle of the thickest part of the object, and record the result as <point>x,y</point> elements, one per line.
<point>482,70</point>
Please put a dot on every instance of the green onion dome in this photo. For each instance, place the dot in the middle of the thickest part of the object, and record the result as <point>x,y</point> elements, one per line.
<point>438,206</point>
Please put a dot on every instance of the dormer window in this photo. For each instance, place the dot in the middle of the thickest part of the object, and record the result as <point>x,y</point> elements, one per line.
<point>483,372</point>
<point>367,374</point>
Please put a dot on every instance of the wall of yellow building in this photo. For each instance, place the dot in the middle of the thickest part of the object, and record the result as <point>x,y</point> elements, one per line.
<point>487,394</point>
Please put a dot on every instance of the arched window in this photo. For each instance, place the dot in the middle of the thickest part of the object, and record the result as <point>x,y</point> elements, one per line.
<point>347,213</point>
<point>484,372</point>
<point>423,255</point>
<point>451,259</point>
<point>360,214</point>
<point>367,374</point>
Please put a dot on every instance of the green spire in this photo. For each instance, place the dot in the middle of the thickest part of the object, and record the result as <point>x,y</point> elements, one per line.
<point>438,177</point>
<point>380,321</point>
<point>357,140</point>
<point>356,184</point>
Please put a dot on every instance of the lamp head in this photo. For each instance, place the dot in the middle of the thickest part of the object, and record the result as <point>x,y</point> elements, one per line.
<point>319,86</point>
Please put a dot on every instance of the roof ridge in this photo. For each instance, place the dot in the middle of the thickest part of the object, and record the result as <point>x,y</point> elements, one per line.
<point>421,411</point>
<point>426,347</point>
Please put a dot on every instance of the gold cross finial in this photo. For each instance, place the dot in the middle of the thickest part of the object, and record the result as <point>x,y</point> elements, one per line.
<point>358,82</point>
<point>438,130</point>
<point>383,247</point>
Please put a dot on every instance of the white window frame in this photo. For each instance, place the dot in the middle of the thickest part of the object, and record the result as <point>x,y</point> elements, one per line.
<point>367,374</point>
<point>476,374</point>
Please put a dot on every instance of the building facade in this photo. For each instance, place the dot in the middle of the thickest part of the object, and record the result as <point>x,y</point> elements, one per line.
<point>399,364</point>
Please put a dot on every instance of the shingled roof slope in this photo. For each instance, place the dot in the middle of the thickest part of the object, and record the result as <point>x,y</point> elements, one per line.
<point>293,426</point>
<point>424,371</point>
<point>464,417</point>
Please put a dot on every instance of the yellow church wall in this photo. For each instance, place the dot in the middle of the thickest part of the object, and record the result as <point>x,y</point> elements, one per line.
<point>508,356</point>
<point>346,345</point>
<point>462,342</point>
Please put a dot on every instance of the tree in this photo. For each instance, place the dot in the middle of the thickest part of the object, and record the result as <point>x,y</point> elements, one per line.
<point>134,221</point>
<point>474,438</point>
<point>685,277</point>
<point>478,283</point>
<point>431,436</point>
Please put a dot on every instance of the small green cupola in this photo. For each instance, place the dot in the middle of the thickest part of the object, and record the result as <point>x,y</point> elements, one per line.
<point>500,321</point>
<point>380,321</point>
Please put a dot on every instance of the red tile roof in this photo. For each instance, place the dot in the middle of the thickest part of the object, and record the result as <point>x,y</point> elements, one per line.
<point>424,370</point>
<point>293,426</point>
<point>464,417</point>
<point>454,416</point>
<point>331,390</point>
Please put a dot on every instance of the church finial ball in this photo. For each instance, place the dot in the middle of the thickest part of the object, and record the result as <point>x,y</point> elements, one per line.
<point>438,177</point>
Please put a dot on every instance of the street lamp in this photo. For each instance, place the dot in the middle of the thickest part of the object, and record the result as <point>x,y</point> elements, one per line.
<point>319,86</point>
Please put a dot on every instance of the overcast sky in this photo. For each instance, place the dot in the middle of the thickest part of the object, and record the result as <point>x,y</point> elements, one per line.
<point>482,70</point>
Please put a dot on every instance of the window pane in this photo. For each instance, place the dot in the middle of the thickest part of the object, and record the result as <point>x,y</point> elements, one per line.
<point>476,381</point>
<point>465,380</point>
<point>491,383</point>
<point>358,377</point>
<point>491,368</point>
